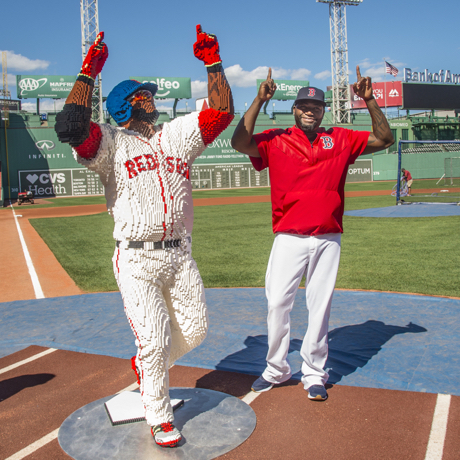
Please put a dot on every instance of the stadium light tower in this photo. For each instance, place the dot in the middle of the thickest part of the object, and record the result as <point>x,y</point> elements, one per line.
<point>89,31</point>
<point>339,58</point>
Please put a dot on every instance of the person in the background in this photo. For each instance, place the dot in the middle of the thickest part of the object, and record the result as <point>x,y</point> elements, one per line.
<point>407,176</point>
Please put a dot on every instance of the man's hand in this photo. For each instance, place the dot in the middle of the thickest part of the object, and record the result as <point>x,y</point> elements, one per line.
<point>206,48</point>
<point>363,86</point>
<point>267,88</point>
<point>96,57</point>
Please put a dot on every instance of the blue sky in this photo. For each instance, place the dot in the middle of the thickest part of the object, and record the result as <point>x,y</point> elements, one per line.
<point>156,38</point>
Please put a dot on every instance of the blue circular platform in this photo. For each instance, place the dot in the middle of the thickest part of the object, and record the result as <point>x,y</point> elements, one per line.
<point>212,423</point>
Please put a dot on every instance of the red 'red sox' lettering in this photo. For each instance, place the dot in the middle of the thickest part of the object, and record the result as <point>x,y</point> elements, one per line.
<point>148,162</point>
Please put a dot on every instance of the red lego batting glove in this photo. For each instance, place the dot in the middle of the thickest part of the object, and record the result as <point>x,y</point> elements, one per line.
<point>206,48</point>
<point>95,59</point>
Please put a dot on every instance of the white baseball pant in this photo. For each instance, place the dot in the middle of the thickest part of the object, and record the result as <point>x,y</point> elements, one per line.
<point>164,301</point>
<point>292,256</point>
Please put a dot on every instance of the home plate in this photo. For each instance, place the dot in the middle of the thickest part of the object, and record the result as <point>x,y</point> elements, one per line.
<point>212,423</point>
<point>127,407</point>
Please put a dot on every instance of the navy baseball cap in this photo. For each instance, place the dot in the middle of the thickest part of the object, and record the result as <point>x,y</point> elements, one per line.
<point>310,93</point>
<point>117,104</point>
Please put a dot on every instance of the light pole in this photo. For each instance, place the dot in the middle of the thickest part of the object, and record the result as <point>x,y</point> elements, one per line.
<point>339,58</point>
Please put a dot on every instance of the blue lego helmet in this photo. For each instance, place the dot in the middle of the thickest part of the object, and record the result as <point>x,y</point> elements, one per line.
<point>117,104</point>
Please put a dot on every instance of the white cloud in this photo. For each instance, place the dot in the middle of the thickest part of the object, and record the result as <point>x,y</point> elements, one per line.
<point>46,105</point>
<point>324,75</point>
<point>199,88</point>
<point>375,70</point>
<point>23,64</point>
<point>238,77</point>
<point>300,74</point>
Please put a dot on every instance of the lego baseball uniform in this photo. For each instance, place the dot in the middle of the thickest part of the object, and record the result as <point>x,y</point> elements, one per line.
<point>307,191</point>
<point>148,192</point>
<point>145,170</point>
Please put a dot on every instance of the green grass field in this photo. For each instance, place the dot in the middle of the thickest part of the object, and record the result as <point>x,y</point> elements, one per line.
<point>231,245</point>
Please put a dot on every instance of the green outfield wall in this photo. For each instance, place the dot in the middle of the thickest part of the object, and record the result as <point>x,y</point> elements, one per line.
<point>34,159</point>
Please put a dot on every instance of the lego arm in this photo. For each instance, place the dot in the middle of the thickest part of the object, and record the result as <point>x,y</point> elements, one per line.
<point>73,124</point>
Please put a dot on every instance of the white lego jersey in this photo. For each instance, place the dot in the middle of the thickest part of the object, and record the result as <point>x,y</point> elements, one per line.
<point>147,181</point>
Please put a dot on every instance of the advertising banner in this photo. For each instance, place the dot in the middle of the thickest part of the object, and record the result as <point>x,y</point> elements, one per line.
<point>168,87</point>
<point>60,182</point>
<point>425,96</point>
<point>392,90</point>
<point>44,86</point>
<point>12,104</point>
<point>360,171</point>
<point>286,89</point>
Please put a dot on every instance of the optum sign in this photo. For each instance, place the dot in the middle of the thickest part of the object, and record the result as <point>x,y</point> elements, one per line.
<point>360,171</point>
<point>169,88</point>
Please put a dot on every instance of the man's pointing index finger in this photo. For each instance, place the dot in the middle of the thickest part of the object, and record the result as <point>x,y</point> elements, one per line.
<point>198,29</point>
<point>269,76</point>
<point>358,73</point>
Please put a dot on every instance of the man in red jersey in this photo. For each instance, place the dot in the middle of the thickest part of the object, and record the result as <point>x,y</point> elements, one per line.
<point>308,167</point>
<point>408,177</point>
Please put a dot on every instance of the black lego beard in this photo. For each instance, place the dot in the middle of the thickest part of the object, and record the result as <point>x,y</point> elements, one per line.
<point>142,115</point>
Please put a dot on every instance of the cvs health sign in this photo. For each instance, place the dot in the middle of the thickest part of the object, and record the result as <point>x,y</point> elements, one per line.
<point>45,183</point>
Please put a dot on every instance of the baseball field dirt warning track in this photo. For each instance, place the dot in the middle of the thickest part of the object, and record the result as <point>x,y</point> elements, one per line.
<point>40,386</point>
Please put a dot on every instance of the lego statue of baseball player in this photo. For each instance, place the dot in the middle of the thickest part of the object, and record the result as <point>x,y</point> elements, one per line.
<point>308,167</point>
<point>145,170</point>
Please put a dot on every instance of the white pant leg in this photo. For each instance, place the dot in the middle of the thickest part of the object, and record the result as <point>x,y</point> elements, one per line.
<point>321,275</point>
<point>286,266</point>
<point>187,307</point>
<point>142,277</point>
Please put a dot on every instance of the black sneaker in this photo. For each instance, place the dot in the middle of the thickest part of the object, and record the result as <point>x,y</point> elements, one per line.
<point>166,434</point>
<point>317,393</point>
<point>261,385</point>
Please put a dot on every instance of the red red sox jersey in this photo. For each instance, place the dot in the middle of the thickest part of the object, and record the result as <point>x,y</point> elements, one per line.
<point>308,180</point>
<point>147,181</point>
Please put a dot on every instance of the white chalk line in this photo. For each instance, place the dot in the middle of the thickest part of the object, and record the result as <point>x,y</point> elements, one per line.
<point>250,397</point>
<point>31,448</point>
<point>27,360</point>
<point>33,274</point>
<point>438,428</point>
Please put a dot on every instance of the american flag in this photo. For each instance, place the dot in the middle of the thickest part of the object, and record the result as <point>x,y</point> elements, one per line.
<point>391,69</point>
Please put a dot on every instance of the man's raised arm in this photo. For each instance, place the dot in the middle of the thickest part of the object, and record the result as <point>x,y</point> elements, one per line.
<point>73,123</point>
<point>381,136</point>
<point>242,139</point>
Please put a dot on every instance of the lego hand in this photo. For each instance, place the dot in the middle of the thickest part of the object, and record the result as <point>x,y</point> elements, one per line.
<point>96,57</point>
<point>206,48</point>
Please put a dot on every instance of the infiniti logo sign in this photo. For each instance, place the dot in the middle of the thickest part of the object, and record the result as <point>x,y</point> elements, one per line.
<point>42,145</point>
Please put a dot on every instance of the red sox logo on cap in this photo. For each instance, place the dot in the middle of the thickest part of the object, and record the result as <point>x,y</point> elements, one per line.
<point>309,93</point>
